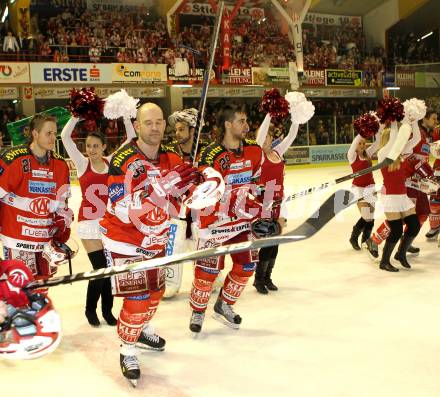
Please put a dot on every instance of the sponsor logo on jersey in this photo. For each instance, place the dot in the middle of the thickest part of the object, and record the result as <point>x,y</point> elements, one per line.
<point>32,232</point>
<point>153,240</point>
<point>425,149</point>
<point>14,153</point>
<point>40,206</point>
<point>210,156</point>
<point>136,168</point>
<point>34,221</point>
<point>153,173</point>
<point>249,267</point>
<point>44,174</point>
<point>240,165</point>
<point>116,191</point>
<point>171,239</point>
<point>102,229</point>
<point>120,157</point>
<point>239,179</point>
<point>28,246</point>
<point>42,187</point>
<point>231,229</point>
<point>146,253</point>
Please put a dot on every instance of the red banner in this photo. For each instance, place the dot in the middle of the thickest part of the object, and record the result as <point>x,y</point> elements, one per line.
<point>226,41</point>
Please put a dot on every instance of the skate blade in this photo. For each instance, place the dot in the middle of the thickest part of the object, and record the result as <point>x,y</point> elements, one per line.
<point>195,335</point>
<point>221,319</point>
<point>133,382</point>
<point>145,347</point>
<point>413,254</point>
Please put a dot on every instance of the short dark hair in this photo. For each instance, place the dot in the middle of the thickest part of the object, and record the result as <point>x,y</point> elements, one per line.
<point>227,114</point>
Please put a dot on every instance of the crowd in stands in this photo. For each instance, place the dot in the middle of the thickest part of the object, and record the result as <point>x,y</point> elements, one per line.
<point>110,36</point>
<point>7,115</point>
<point>140,36</point>
<point>408,49</point>
<point>331,124</point>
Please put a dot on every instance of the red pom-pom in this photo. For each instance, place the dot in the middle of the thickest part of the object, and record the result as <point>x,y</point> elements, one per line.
<point>275,104</point>
<point>389,110</point>
<point>85,104</point>
<point>366,125</point>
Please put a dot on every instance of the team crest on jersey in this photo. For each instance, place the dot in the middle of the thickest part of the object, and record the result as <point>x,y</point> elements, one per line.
<point>40,206</point>
<point>156,216</point>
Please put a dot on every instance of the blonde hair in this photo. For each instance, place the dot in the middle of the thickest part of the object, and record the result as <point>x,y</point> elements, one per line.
<point>37,122</point>
<point>384,139</point>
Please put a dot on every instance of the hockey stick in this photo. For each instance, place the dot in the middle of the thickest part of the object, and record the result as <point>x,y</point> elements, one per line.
<point>345,178</point>
<point>206,79</point>
<point>336,203</point>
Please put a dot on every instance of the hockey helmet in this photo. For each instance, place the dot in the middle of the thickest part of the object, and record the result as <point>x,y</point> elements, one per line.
<point>31,332</point>
<point>188,116</point>
<point>265,228</point>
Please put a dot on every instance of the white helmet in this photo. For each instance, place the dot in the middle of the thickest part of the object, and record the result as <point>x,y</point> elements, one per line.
<point>31,332</point>
<point>435,149</point>
<point>188,116</point>
<point>59,253</point>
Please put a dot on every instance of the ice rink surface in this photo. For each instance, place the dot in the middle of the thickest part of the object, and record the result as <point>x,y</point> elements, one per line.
<point>338,327</point>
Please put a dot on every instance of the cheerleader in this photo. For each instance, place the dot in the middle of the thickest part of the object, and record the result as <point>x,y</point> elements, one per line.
<point>272,180</point>
<point>398,208</point>
<point>92,174</point>
<point>359,157</point>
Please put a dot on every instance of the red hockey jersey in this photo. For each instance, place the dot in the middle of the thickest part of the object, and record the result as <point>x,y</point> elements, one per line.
<point>133,224</point>
<point>238,168</point>
<point>30,194</point>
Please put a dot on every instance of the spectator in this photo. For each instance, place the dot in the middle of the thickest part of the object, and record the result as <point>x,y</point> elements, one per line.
<point>10,44</point>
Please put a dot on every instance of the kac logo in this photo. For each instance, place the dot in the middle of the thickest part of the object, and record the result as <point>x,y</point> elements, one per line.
<point>40,206</point>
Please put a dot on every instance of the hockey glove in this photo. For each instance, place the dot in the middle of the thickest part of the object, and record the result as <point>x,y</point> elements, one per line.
<point>18,276</point>
<point>174,182</point>
<point>243,204</point>
<point>60,230</point>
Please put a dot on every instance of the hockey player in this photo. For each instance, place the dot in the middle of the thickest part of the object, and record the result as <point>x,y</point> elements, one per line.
<point>145,181</point>
<point>34,188</point>
<point>434,216</point>
<point>239,162</point>
<point>184,122</point>
<point>92,174</point>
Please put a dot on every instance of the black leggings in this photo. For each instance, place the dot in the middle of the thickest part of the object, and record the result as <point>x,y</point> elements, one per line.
<point>268,253</point>
<point>101,287</point>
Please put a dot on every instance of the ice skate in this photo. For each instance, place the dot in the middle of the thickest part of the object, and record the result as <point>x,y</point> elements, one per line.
<point>225,314</point>
<point>148,339</point>
<point>433,233</point>
<point>373,249</point>
<point>129,364</point>
<point>196,322</point>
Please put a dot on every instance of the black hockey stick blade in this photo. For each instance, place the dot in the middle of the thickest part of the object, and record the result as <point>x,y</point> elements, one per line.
<point>326,185</point>
<point>336,203</point>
